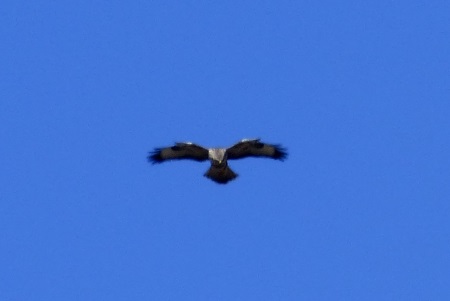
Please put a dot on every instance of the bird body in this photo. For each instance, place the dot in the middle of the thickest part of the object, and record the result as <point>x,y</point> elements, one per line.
<point>219,171</point>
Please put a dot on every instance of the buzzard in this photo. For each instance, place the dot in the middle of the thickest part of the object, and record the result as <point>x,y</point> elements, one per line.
<point>219,170</point>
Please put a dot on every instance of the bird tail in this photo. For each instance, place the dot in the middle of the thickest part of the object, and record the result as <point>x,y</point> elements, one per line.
<point>220,174</point>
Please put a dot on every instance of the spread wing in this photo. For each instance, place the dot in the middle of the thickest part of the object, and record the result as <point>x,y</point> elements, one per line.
<point>255,148</point>
<point>177,152</point>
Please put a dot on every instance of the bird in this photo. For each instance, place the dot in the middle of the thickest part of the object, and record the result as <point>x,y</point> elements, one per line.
<point>219,171</point>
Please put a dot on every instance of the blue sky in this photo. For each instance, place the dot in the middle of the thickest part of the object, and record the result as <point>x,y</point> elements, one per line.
<point>358,91</point>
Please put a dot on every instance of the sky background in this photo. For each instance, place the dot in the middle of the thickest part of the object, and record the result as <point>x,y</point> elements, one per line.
<point>358,92</point>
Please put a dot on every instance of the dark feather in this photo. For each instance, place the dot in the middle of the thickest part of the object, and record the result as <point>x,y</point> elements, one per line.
<point>155,156</point>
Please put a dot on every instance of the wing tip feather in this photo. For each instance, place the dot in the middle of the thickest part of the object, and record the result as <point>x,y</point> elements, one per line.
<point>280,153</point>
<point>155,157</point>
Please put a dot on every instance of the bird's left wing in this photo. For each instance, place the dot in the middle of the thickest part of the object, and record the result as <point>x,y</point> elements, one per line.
<point>179,151</point>
<point>255,148</point>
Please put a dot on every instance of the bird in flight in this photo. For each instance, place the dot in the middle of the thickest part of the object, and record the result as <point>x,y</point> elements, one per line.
<point>219,171</point>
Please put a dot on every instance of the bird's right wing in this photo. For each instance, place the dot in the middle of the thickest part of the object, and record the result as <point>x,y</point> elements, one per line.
<point>177,152</point>
<point>255,148</point>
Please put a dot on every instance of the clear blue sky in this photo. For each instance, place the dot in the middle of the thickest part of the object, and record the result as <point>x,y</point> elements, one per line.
<point>358,91</point>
